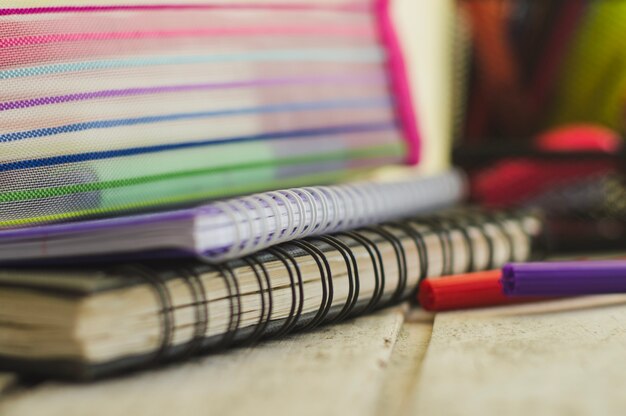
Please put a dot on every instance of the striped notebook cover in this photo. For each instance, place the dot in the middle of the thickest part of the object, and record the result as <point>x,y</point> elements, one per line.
<point>117,105</point>
<point>228,229</point>
<point>85,323</point>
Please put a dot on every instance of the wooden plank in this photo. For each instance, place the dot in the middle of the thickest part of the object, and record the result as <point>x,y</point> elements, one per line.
<point>560,357</point>
<point>335,370</point>
<point>405,364</point>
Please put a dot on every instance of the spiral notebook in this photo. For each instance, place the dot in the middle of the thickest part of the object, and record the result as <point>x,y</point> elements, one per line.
<point>117,105</point>
<point>91,323</point>
<point>232,228</point>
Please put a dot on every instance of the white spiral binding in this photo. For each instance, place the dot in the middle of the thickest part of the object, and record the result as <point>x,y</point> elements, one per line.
<point>261,220</point>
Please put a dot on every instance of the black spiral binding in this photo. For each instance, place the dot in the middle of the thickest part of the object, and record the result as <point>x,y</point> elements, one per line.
<point>353,274</point>
<point>498,220</point>
<point>450,223</point>
<point>296,316</point>
<point>474,221</point>
<point>201,309</point>
<point>325,278</point>
<point>481,219</point>
<point>234,297</point>
<point>460,222</point>
<point>437,232</point>
<point>440,225</point>
<point>469,243</point>
<point>445,239</point>
<point>266,313</point>
<point>378,267</point>
<point>398,248</point>
<point>420,244</point>
<point>295,311</point>
<point>537,242</point>
<point>499,224</point>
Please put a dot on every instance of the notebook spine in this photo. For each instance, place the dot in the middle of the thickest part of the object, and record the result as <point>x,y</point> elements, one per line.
<point>506,230</point>
<point>262,220</point>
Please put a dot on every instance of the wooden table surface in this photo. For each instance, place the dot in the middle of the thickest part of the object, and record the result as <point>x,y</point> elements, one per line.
<point>563,357</point>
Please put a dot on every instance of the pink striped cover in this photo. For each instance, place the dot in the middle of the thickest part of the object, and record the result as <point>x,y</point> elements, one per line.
<point>107,106</point>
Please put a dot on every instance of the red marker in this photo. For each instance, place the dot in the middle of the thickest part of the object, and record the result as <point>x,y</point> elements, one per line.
<point>472,290</point>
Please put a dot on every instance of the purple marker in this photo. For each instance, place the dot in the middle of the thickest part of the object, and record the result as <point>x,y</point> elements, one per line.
<point>564,278</point>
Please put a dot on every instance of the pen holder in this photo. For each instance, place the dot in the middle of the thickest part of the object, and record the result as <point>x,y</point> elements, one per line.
<point>523,66</point>
<point>540,111</point>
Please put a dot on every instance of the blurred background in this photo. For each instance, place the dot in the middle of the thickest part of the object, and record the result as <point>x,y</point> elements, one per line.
<point>529,97</point>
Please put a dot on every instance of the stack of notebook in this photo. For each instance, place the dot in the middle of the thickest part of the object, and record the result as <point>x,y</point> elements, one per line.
<point>119,121</point>
<point>90,321</point>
